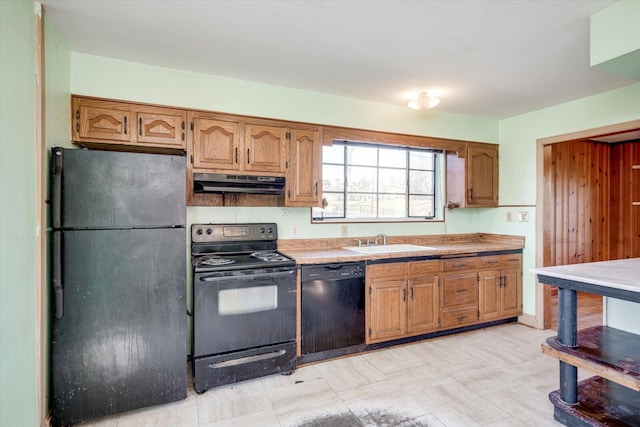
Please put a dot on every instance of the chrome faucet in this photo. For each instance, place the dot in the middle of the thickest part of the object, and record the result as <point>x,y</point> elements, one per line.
<point>358,241</point>
<point>384,239</point>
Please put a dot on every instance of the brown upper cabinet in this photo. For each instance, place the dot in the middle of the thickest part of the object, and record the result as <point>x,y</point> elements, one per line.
<point>229,143</point>
<point>304,184</point>
<point>115,125</point>
<point>472,180</point>
<point>226,144</point>
<point>223,143</point>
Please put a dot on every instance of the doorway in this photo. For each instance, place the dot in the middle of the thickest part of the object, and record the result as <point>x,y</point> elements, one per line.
<point>585,211</point>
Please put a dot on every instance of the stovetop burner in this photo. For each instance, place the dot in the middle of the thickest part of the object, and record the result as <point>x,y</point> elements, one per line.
<point>269,256</point>
<point>214,260</point>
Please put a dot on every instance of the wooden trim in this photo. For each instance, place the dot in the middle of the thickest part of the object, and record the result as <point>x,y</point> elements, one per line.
<point>41,252</point>
<point>592,133</point>
<point>332,133</point>
<point>543,292</point>
<point>528,320</point>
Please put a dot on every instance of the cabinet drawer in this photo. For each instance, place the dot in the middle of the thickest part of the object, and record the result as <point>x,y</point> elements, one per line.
<point>453,264</point>
<point>396,270</point>
<point>500,261</point>
<point>423,268</point>
<point>459,289</point>
<point>459,316</point>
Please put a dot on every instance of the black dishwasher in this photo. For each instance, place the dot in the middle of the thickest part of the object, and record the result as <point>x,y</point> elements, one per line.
<point>332,309</point>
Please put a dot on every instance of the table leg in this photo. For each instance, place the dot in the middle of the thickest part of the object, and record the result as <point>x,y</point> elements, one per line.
<point>568,336</point>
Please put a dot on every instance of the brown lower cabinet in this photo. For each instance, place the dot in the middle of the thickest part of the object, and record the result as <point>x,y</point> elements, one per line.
<point>500,288</point>
<point>402,300</point>
<point>417,297</point>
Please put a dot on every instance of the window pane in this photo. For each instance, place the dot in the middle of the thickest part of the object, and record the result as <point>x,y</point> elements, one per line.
<point>421,160</point>
<point>333,154</point>
<point>393,158</point>
<point>361,206</point>
<point>392,206</point>
<point>420,182</point>
<point>393,180</point>
<point>365,156</point>
<point>333,178</point>
<point>335,205</point>
<point>421,206</point>
<point>361,179</point>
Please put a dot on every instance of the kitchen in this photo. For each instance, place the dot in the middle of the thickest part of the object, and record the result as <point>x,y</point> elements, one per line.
<point>102,77</point>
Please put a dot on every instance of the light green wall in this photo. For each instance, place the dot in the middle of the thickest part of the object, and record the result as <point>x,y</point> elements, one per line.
<point>57,87</point>
<point>57,134</point>
<point>518,142</point>
<point>18,217</point>
<point>615,38</point>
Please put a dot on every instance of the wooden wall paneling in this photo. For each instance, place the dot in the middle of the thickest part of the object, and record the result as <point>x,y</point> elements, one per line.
<point>635,198</point>
<point>601,202</point>
<point>585,214</point>
<point>559,193</point>
<point>615,202</point>
<point>620,211</point>
<point>549,207</point>
<point>577,202</point>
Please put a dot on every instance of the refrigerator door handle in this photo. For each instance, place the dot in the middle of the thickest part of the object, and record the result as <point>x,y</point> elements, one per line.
<point>56,188</point>
<point>56,273</point>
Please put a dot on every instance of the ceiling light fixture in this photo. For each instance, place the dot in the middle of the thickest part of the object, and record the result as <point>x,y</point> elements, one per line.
<point>423,101</point>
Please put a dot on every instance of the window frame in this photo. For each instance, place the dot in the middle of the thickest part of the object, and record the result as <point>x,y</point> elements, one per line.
<point>438,170</point>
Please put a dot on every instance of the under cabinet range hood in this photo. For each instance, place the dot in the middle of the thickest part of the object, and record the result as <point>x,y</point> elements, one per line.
<point>247,184</point>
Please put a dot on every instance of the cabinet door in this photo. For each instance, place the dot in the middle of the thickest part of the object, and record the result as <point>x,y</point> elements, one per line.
<point>107,124</point>
<point>388,310</point>
<point>422,308</point>
<point>265,148</point>
<point>482,176</point>
<point>166,129</point>
<point>216,144</point>
<point>490,290</point>
<point>305,169</point>
<point>511,292</point>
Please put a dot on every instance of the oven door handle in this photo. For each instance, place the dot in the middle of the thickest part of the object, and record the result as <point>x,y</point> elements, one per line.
<point>208,278</point>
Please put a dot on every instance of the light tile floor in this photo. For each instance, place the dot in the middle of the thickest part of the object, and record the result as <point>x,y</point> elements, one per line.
<point>494,377</point>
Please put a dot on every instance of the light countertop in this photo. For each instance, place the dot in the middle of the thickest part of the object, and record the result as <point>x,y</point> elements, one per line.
<point>623,274</point>
<point>315,256</point>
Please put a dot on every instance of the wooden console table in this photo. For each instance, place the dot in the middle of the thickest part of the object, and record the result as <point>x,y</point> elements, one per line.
<point>612,397</point>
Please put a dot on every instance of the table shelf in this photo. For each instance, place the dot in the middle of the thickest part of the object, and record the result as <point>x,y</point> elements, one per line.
<point>600,403</point>
<point>608,352</point>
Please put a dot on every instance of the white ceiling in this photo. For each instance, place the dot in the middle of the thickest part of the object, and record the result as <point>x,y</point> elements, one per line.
<point>491,59</point>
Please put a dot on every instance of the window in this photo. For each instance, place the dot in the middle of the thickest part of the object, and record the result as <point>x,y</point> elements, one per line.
<point>364,181</point>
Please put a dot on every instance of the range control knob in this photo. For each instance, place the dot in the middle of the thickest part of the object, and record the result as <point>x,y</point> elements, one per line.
<point>199,232</point>
<point>270,230</point>
<point>262,230</point>
<point>209,231</point>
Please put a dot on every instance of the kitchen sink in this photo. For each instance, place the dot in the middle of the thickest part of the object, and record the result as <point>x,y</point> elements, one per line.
<point>384,249</point>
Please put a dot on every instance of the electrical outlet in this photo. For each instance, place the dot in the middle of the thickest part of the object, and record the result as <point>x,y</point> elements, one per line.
<point>509,216</point>
<point>345,230</point>
<point>523,216</point>
<point>295,231</point>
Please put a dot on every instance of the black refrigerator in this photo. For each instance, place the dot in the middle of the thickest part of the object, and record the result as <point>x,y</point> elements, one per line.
<point>118,266</point>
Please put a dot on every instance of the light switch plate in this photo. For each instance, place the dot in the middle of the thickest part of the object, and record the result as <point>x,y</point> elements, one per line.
<point>523,216</point>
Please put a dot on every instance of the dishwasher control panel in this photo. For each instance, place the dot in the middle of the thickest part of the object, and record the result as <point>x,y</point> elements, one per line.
<point>336,271</point>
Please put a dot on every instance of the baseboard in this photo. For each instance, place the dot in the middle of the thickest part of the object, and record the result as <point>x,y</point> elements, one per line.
<point>528,320</point>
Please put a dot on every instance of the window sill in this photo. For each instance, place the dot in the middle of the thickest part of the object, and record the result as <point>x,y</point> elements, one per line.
<point>371,221</point>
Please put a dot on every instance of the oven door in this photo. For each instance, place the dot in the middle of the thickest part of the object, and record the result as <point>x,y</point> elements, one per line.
<point>236,310</point>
